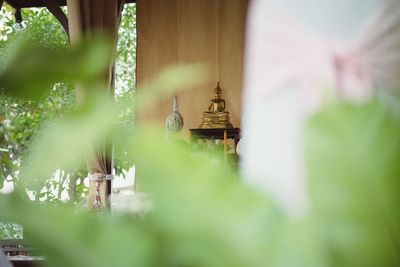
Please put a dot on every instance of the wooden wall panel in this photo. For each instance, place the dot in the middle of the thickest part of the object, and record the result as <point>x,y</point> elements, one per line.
<point>156,47</point>
<point>197,39</point>
<point>232,17</point>
<point>181,31</point>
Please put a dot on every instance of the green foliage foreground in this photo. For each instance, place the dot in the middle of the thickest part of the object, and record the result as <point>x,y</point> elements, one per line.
<point>201,217</point>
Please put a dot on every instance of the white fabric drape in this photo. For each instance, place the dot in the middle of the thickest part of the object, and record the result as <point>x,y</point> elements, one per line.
<point>297,53</point>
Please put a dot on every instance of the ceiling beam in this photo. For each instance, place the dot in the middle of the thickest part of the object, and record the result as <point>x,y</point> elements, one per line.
<point>32,3</point>
<point>57,12</point>
<point>41,3</point>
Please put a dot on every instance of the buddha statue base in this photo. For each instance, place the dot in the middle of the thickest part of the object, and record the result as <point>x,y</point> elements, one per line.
<point>215,120</point>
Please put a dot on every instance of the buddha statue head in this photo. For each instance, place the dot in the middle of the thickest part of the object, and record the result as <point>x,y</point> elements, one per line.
<point>218,91</point>
<point>217,104</point>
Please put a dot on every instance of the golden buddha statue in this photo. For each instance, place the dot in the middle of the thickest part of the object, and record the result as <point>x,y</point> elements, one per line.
<point>216,116</point>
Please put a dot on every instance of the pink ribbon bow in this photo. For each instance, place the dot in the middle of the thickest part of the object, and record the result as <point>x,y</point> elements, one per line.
<point>295,57</point>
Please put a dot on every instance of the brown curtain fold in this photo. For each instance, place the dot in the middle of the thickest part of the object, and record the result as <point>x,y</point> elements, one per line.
<point>100,18</point>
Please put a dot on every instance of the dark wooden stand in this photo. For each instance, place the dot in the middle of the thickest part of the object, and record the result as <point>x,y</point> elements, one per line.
<point>216,133</point>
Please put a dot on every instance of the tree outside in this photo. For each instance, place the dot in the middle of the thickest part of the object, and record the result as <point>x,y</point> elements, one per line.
<point>20,121</point>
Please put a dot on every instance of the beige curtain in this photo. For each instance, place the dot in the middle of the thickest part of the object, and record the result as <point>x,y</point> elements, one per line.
<point>100,17</point>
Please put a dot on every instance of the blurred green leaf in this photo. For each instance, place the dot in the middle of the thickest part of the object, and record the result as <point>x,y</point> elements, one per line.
<point>69,140</point>
<point>169,81</point>
<point>79,238</point>
<point>353,155</point>
<point>30,70</point>
<point>204,217</point>
<point>200,218</point>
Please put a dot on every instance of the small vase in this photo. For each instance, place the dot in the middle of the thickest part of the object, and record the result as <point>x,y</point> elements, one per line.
<point>174,121</point>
